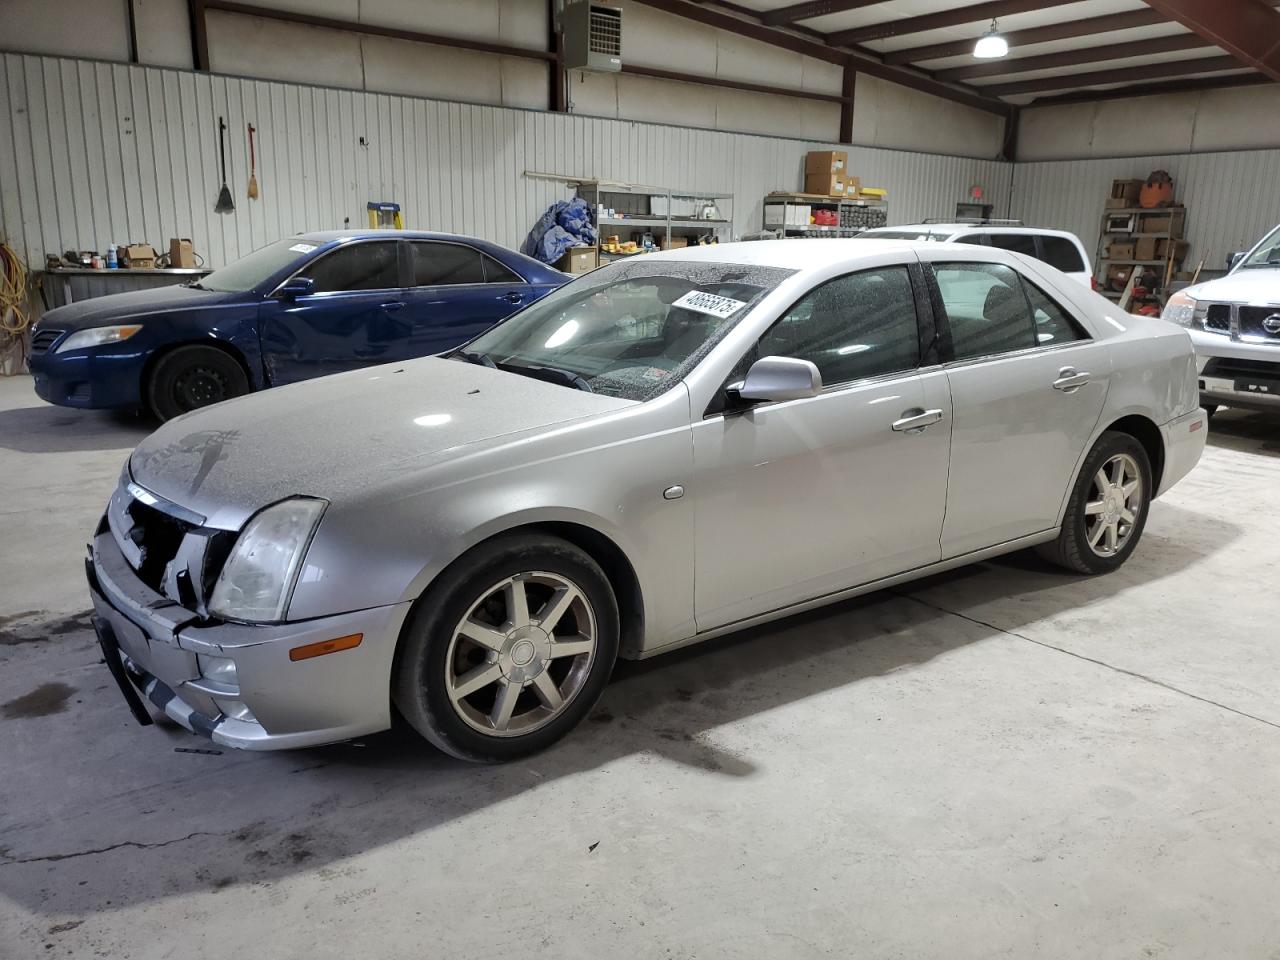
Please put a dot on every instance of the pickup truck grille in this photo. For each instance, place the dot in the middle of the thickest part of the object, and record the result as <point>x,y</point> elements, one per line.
<point>1218,317</point>
<point>1252,320</point>
<point>42,340</point>
<point>1229,368</point>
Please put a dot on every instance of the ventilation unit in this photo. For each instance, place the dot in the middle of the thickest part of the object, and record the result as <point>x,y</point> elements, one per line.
<point>592,37</point>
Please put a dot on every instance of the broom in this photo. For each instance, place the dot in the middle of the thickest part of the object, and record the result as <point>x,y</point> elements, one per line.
<point>225,204</point>
<point>253,175</point>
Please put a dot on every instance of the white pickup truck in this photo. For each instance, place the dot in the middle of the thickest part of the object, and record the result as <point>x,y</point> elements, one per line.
<point>1235,325</point>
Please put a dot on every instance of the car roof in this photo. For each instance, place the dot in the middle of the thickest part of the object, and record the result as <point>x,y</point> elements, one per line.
<point>328,236</point>
<point>951,228</point>
<point>798,253</point>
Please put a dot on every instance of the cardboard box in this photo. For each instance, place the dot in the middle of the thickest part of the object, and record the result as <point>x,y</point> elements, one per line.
<point>1123,250</point>
<point>579,260</point>
<point>1170,223</point>
<point>829,162</point>
<point>1118,276</point>
<point>1125,192</point>
<point>1177,247</point>
<point>182,255</point>
<point>140,256</point>
<point>775,214</point>
<point>825,185</point>
<point>798,214</point>
<point>1145,248</point>
<point>673,243</point>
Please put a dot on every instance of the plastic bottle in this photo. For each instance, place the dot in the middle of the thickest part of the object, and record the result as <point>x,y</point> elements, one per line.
<point>112,262</point>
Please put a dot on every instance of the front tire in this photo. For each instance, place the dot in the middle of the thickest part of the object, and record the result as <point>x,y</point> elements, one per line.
<point>191,377</point>
<point>1108,508</point>
<point>508,650</point>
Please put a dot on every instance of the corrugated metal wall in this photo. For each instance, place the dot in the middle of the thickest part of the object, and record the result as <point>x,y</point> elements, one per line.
<point>1232,198</point>
<point>102,153</point>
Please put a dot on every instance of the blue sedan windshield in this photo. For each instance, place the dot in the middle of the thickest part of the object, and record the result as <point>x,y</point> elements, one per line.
<point>247,272</point>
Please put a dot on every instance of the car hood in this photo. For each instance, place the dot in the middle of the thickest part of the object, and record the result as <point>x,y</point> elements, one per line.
<point>343,435</point>
<point>120,307</point>
<point>1257,285</point>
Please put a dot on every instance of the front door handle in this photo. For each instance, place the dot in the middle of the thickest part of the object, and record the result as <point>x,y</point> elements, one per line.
<point>1069,381</point>
<point>513,297</point>
<point>393,305</point>
<point>915,420</point>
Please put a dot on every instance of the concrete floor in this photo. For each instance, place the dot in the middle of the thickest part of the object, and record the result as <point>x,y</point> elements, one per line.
<point>1000,762</point>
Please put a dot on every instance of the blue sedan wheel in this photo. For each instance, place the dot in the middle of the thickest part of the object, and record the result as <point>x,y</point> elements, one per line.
<point>192,377</point>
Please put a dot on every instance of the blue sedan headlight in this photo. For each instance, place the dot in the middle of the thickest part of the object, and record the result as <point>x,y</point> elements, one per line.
<point>96,336</point>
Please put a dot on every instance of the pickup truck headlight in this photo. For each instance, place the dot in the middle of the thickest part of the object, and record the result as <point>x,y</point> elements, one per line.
<point>257,580</point>
<point>96,336</point>
<point>1184,310</point>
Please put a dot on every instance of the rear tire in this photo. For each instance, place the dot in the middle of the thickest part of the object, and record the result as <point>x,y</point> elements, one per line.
<point>191,377</point>
<point>508,649</point>
<point>1105,518</point>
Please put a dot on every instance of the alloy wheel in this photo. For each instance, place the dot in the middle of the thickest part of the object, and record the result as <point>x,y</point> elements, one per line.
<point>1111,512</point>
<point>521,654</point>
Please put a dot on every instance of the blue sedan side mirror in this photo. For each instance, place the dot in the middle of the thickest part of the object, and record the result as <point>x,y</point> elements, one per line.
<point>296,287</point>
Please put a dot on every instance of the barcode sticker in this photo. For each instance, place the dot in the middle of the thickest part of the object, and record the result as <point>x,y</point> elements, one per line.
<point>303,247</point>
<point>717,306</point>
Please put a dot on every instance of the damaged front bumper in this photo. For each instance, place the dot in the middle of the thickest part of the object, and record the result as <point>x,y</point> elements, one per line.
<point>266,701</point>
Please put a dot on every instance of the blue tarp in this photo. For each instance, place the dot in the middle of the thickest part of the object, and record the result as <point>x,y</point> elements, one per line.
<point>565,224</point>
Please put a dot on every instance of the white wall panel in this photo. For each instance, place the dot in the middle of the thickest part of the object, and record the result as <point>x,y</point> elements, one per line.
<point>1231,197</point>
<point>105,153</point>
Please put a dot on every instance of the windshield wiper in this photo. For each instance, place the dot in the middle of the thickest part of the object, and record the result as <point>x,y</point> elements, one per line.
<point>483,359</point>
<point>196,285</point>
<point>550,374</point>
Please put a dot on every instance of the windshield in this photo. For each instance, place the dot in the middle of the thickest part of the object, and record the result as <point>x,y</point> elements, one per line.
<point>247,272</point>
<point>900,235</point>
<point>1267,253</point>
<point>629,330</point>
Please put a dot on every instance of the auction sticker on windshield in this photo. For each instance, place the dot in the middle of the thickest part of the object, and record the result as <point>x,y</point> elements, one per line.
<point>303,247</point>
<point>710,303</point>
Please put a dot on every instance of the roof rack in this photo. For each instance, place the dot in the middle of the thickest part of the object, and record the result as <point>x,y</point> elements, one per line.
<point>985,221</point>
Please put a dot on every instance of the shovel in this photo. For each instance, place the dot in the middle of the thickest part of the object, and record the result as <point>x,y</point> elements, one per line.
<point>225,204</point>
<point>253,176</point>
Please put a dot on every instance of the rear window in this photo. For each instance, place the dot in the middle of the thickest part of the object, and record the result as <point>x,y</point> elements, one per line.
<point>1062,253</point>
<point>1014,242</point>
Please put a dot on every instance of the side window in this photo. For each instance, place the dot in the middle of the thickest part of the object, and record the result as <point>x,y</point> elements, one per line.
<point>1053,323</point>
<point>495,272</point>
<point>1062,253</point>
<point>1015,242</point>
<point>440,263</point>
<point>360,266</point>
<point>857,326</point>
<point>977,239</point>
<point>985,307</point>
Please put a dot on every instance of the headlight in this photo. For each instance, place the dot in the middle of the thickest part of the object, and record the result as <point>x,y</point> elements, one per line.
<point>258,578</point>
<point>96,336</point>
<point>1183,310</point>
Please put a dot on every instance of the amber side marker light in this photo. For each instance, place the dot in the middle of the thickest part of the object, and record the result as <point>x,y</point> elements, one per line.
<point>319,649</point>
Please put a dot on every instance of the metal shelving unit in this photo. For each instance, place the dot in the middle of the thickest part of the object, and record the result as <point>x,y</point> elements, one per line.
<point>1169,262</point>
<point>854,215</point>
<point>691,216</point>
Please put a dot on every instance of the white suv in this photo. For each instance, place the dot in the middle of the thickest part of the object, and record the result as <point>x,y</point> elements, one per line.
<point>1235,324</point>
<point>1058,248</point>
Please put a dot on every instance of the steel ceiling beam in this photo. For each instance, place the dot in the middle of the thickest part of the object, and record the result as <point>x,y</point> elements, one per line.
<point>1024,38</point>
<point>814,8</point>
<point>1151,71</point>
<point>1247,29</point>
<point>755,30</point>
<point>1153,89</point>
<point>944,18</point>
<point>1071,58</point>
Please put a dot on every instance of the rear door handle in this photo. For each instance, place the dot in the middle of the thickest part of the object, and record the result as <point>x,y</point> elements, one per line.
<point>1069,381</point>
<point>915,420</point>
<point>393,305</point>
<point>512,297</point>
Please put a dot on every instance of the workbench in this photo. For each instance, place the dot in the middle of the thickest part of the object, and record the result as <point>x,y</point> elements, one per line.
<point>71,284</point>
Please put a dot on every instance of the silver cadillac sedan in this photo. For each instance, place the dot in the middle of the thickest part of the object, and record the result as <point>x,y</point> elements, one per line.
<point>670,448</point>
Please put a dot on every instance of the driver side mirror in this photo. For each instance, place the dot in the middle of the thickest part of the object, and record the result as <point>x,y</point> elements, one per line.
<point>296,287</point>
<point>773,379</point>
<point>1234,258</point>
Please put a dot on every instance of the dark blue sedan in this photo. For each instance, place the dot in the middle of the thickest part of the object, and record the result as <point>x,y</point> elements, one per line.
<point>313,304</point>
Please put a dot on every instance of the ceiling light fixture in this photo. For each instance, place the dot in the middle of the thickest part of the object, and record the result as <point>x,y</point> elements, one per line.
<point>991,46</point>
